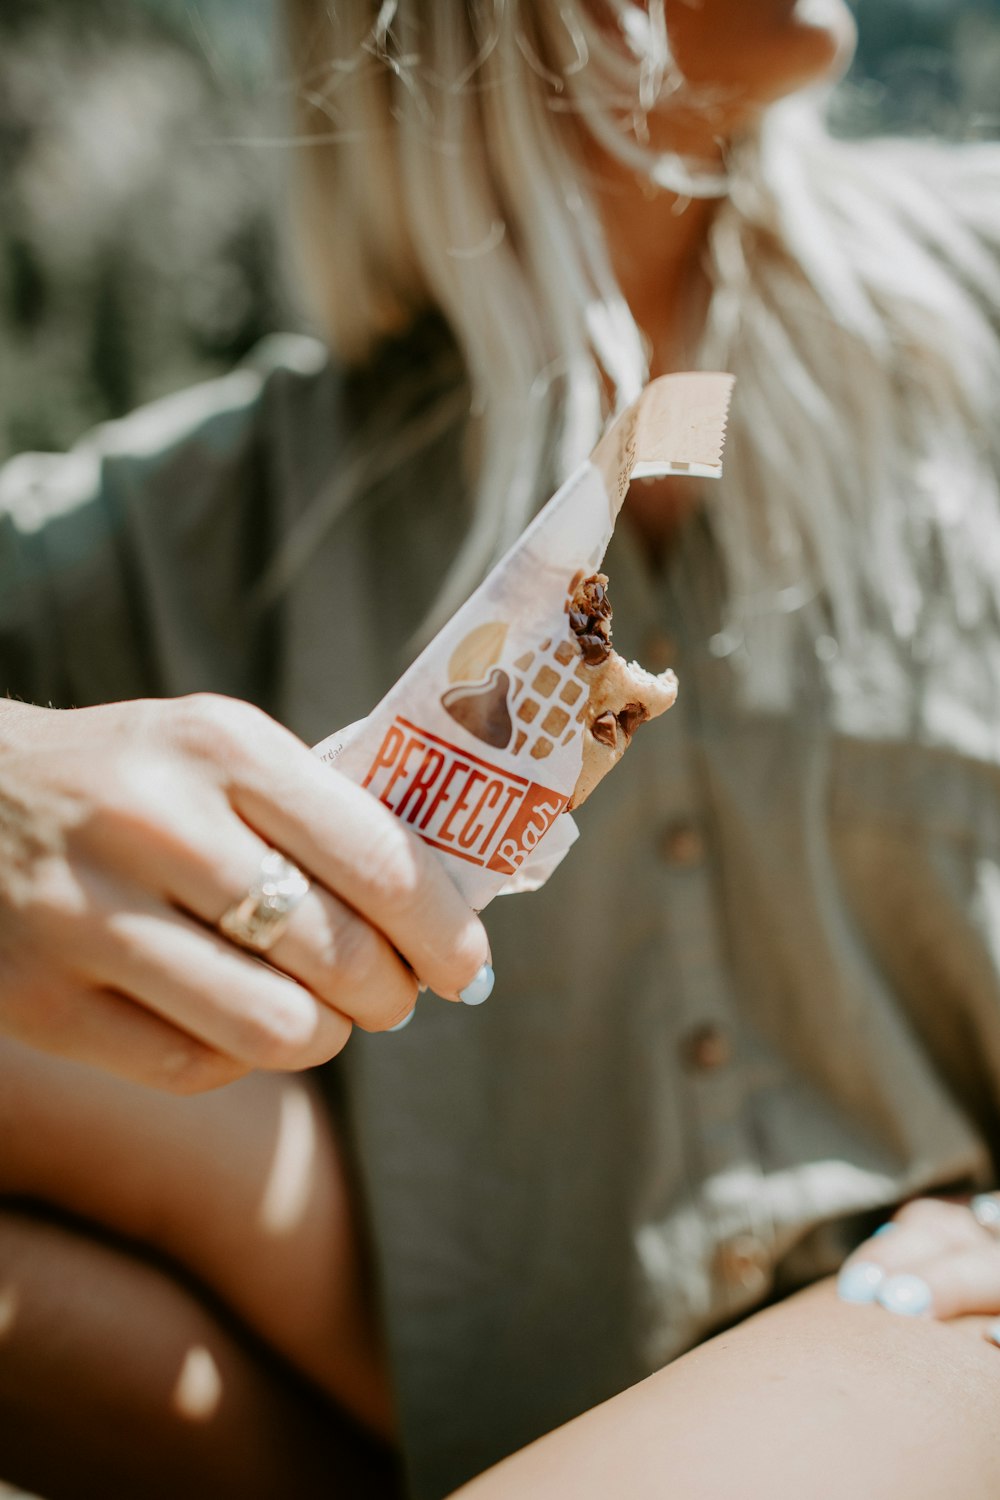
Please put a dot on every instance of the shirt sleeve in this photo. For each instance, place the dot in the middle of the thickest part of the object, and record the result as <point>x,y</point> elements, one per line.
<point>127,565</point>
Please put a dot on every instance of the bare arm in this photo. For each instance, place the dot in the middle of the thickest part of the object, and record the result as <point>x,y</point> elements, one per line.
<point>809,1400</point>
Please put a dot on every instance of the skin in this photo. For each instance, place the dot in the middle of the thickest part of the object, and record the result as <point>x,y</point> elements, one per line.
<point>133,1227</point>
<point>189,1272</point>
<point>127,832</point>
<point>741,56</point>
<point>811,1398</point>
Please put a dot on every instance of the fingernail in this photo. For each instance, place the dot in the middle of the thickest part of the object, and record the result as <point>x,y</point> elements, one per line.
<point>993,1333</point>
<point>480,989</point>
<point>905,1294</point>
<point>882,1229</point>
<point>405,1021</point>
<point>986,1211</point>
<point>859,1282</point>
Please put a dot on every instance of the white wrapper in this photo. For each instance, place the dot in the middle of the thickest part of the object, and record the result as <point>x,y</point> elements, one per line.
<point>478,746</point>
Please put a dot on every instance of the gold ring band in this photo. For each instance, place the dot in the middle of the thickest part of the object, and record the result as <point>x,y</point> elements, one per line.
<point>257,920</point>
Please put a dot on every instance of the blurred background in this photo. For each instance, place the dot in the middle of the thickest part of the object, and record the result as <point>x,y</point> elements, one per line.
<point>140,166</point>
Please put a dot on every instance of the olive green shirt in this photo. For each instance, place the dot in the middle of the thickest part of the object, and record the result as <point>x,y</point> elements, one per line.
<point>759,1001</point>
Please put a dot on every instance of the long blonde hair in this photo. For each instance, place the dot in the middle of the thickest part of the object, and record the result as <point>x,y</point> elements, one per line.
<point>856,291</point>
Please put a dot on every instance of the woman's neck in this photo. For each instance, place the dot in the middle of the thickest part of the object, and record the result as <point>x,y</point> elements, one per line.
<point>656,245</point>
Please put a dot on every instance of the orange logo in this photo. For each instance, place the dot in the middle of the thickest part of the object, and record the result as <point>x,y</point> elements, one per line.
<point>459,802</point>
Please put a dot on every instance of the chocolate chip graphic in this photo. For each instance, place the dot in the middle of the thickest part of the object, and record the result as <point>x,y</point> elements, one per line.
<point>482,709</point>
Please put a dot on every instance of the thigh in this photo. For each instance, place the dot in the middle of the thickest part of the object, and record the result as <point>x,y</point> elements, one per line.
<point>244,1187</point>
<point>810,1398</point>
<point>117,1379</point>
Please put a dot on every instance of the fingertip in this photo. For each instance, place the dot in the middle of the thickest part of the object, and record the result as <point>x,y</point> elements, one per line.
<point>859,1282</point>
<point>906,1295</point>
<point>480,987</point>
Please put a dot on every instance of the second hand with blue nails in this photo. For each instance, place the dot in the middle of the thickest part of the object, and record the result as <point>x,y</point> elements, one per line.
<point>864,1281</point>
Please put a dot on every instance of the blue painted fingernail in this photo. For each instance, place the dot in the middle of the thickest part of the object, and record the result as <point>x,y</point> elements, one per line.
<point>882,1229</point>
<point>986,1211</point>
<point>905,1294</point>
<point>405,1021</point>
<point>993,1333</point>
<point>480,988</point>
<point>859,1282</point>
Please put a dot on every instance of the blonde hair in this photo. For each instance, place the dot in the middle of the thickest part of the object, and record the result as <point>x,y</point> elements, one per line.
<point>441,168</point>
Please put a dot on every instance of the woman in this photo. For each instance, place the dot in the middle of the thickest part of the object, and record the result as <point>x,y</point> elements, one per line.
<point>756,1010</point>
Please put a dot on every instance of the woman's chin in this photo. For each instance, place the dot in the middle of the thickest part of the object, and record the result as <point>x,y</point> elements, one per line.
<point>760,55</point>
<point>833,32</point>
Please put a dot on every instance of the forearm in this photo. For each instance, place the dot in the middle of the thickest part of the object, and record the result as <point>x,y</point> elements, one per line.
<point>810,1398</point>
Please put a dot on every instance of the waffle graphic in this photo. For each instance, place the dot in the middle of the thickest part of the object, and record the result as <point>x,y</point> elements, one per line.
<point>548,697</point>
<point>526,708</point>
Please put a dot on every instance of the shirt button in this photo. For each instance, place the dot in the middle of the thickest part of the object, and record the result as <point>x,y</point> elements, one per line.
<point>743,1262</point>
<point>706,1047</point>
<point>682,844</point>
<point>659,651</point>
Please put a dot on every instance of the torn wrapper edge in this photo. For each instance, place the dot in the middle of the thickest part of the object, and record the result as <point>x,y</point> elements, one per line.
<point>477,747</point>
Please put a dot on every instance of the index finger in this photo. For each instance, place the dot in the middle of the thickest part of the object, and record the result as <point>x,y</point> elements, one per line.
<point>344,837</point>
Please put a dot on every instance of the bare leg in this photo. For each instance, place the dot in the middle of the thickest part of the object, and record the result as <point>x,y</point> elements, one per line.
<point>115,1381</point>
<point>808,1399</point>
<point>243,1189</point>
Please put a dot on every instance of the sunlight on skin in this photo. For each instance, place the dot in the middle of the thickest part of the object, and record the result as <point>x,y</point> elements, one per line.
<point>737,57</point>
<point>9,1302</point>
<point>199,1386</point>
<point>290,1179</point>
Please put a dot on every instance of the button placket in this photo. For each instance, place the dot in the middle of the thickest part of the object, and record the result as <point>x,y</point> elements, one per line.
<point>658,622</point>
<point>738,1233</point>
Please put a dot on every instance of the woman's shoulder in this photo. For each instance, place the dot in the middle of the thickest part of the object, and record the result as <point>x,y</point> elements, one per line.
<point>200,432</point>
<point>146,513</point>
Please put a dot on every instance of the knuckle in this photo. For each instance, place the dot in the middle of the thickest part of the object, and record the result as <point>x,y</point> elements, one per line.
<point>356,956</point>
<point>398,1005</point>
<point>331,1038</point>
<point>198,1072</point>
<point>926,1213</point>
<point>281,1036</point>
<point>394,868</point>
<point>210,726</point>
<point>463,952</point>
<point>139,799</point>
<point>371,978</point>
<point>57,900</point>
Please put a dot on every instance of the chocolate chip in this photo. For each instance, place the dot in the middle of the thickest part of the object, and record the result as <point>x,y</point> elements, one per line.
<point>590,618</point>
<point>630,716</point>
<point>605,729</point>
<point>595,649</point>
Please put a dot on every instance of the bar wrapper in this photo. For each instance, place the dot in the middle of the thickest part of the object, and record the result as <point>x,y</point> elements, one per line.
<point>478,746</point>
